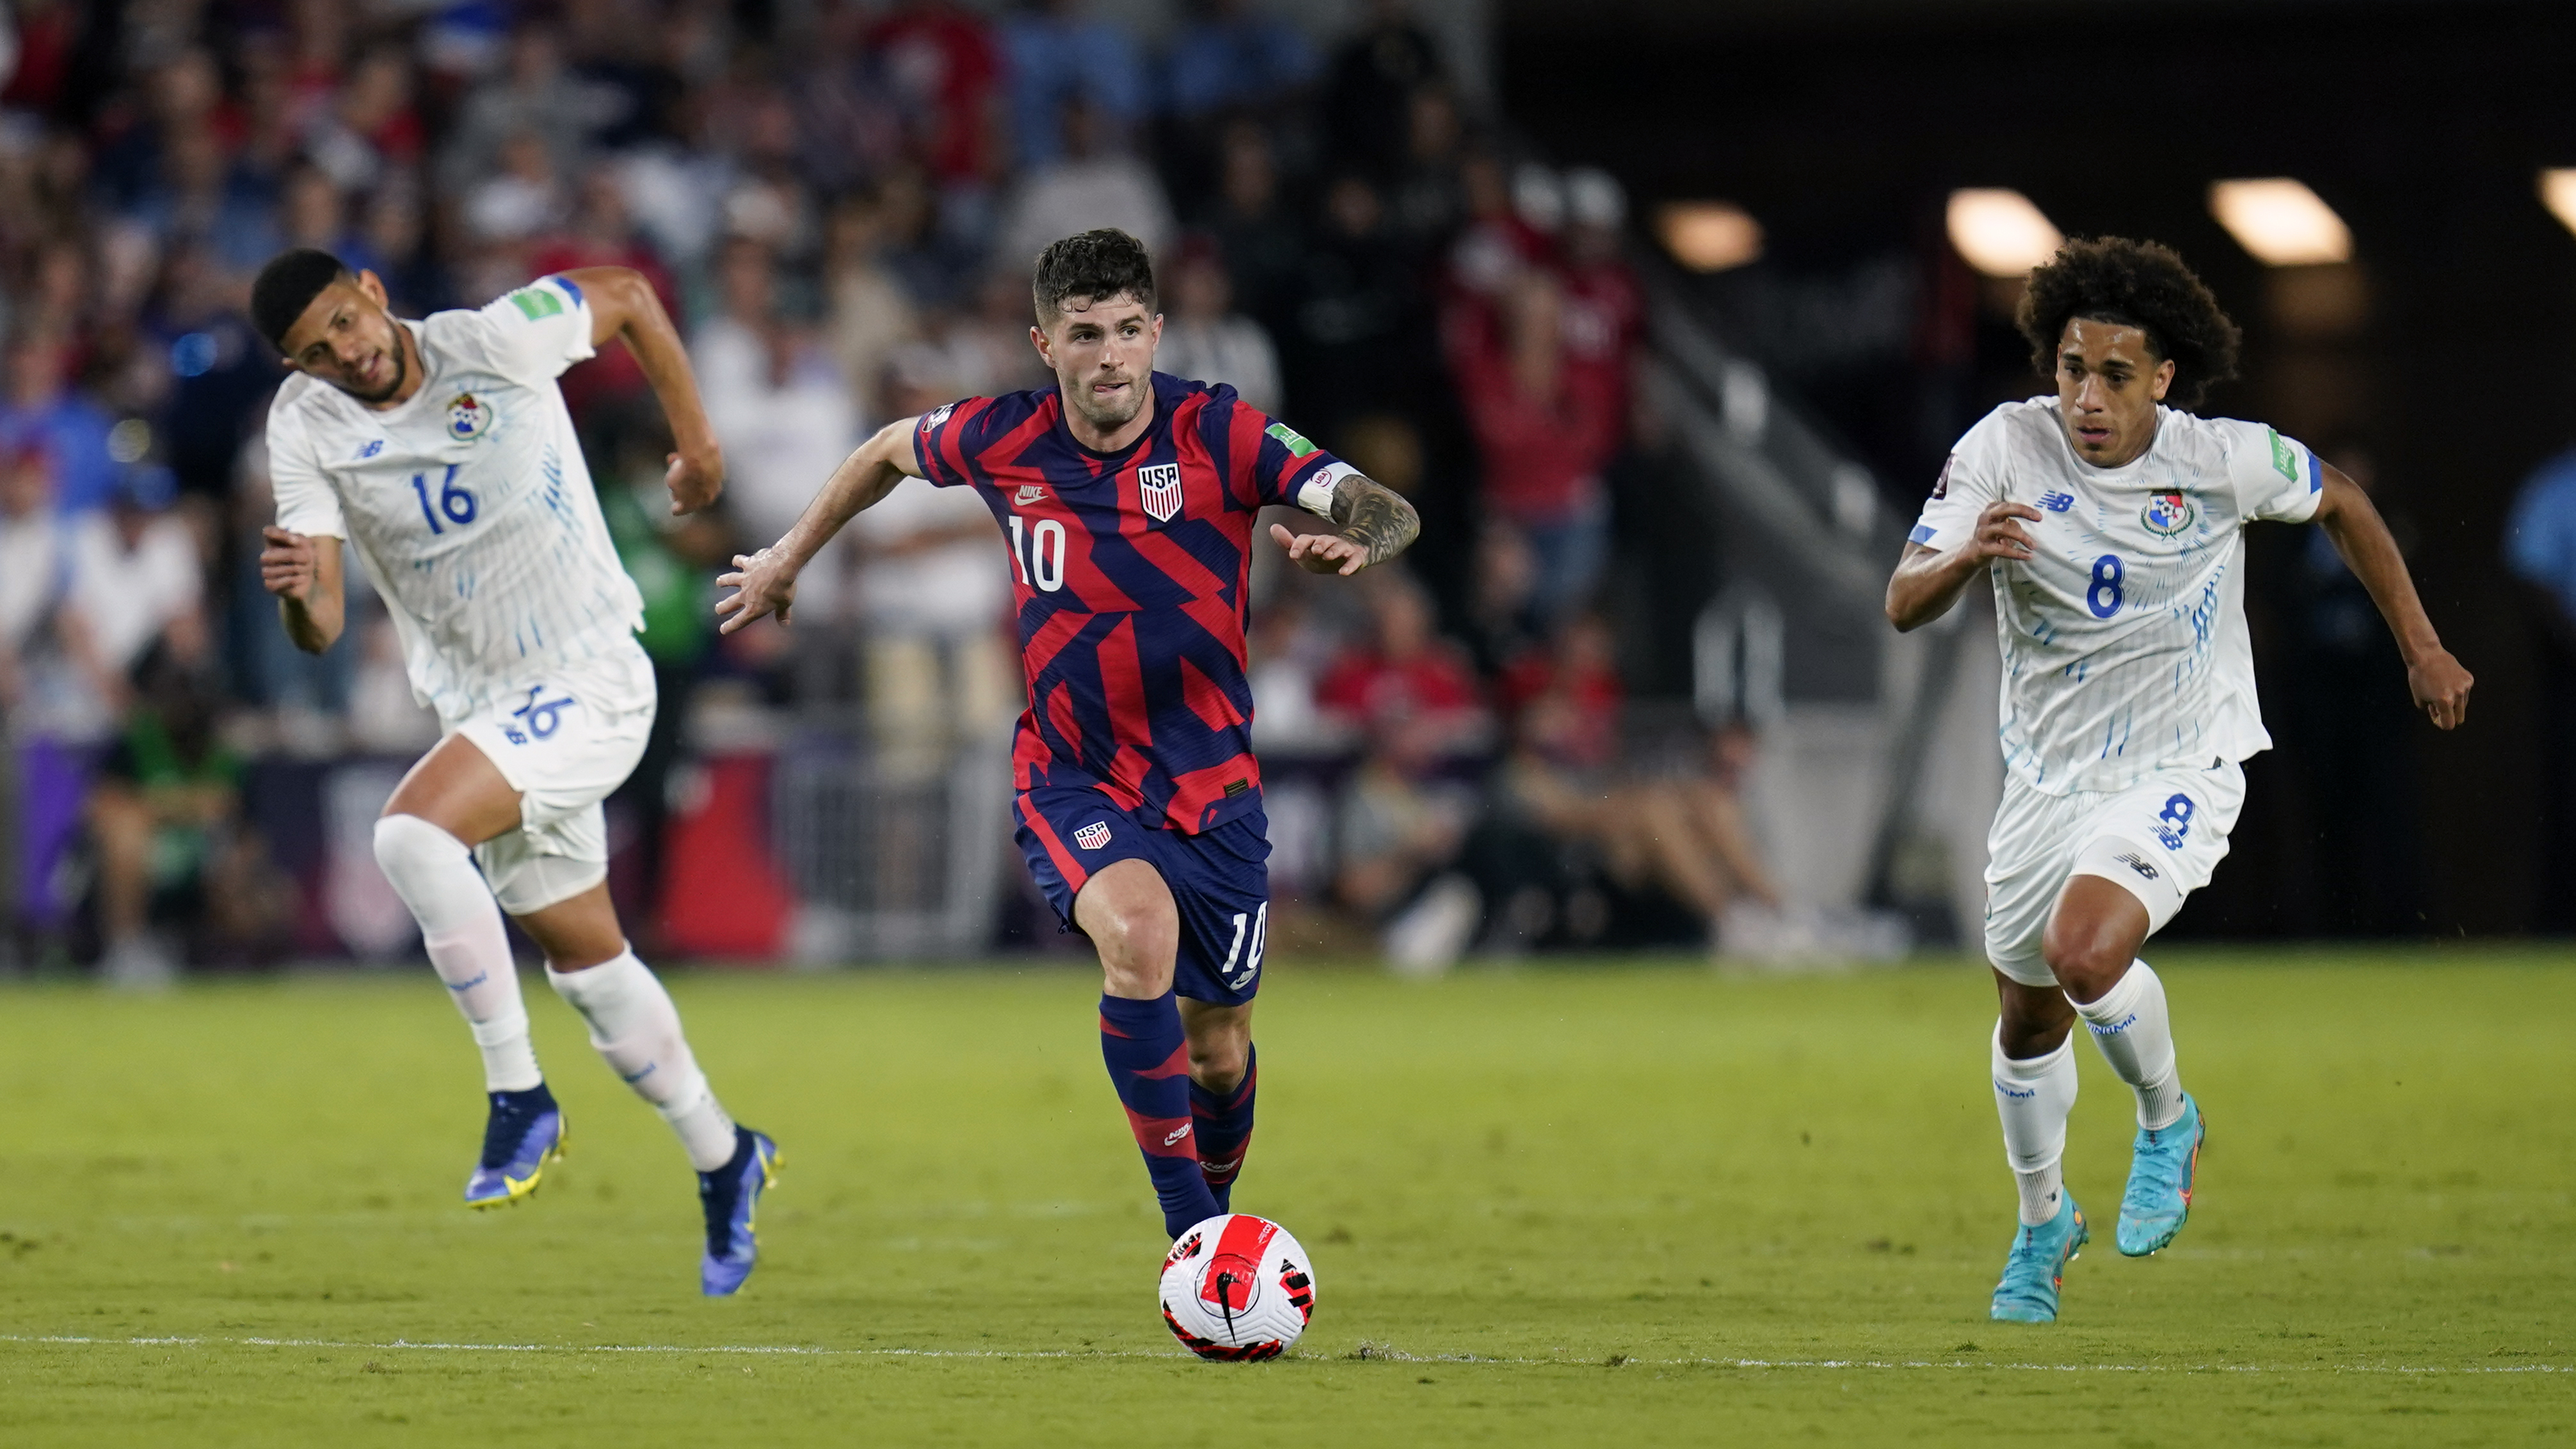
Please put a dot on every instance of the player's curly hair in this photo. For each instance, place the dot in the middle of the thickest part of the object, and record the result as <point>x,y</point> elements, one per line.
<point>1092,265</point>
<point>2136,284</point>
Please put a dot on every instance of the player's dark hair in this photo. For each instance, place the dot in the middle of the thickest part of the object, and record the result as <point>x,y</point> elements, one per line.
<point>1092,266</point>
<point>2135,284</point>
<point>288,285</point>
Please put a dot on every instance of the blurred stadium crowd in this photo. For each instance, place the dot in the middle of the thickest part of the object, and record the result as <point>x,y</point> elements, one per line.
<point>840,199</point>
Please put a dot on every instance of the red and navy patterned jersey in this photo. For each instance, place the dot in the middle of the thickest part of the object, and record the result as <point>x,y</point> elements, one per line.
<point>1131,571</point>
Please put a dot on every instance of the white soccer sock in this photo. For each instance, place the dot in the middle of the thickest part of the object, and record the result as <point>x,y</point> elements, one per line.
<point>2135,1034</point>
<point>637,1031</point>
<point>2034,1097</point>
<point>468,946</point>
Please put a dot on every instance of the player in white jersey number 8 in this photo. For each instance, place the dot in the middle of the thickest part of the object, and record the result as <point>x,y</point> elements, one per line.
<point>2109,523</point>
<point>443,452</point>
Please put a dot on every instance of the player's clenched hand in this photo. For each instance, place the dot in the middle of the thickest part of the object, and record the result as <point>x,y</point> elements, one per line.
<point>1322,553</point>
<point>1999,536</point>
<point>289,565</point>
<point>2441,688</point>
<point>695,482</point>
<point>762,583</point>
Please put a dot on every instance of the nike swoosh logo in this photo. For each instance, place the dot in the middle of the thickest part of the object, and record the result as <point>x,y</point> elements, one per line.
<point>469,985</point>
<point>639,1076</point>
<point>1177,1134</point>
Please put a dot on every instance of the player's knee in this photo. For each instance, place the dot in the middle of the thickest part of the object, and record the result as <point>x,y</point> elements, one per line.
<point>407,844</point>
<point>1219,1059</point>
<point>2085,962</point>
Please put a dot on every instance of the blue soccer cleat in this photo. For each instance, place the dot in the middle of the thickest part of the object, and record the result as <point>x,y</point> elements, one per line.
<point>730,1195</point>
<point>2037,1267</point>
<point>523,1134</point>
<point>2162,1171</point>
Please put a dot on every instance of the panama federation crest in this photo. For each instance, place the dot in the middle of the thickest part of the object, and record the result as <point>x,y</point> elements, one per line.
<point>2167,514</point>
<point>468,417</point>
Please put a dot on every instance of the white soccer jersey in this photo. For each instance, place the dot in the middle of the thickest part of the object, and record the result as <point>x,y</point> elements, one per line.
<point>2124,638</point>
<point>470,502</point>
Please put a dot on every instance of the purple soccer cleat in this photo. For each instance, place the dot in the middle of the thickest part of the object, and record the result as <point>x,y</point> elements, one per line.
<point>730,1195</point>
<point>523,1134</point>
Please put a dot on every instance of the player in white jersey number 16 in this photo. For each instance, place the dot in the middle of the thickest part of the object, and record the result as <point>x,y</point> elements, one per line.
<point>445,444</point>
<point>2108,522</point>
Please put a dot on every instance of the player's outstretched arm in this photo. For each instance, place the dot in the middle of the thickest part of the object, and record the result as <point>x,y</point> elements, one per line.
<point>2439,684</point>
<point>1927,581</point>
<point>623,306</point>
<point>765,582</point>
<point>1376,524</point>
<point>304,573</point>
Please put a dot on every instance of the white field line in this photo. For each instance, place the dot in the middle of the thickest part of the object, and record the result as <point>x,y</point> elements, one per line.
<point>806,1351</point>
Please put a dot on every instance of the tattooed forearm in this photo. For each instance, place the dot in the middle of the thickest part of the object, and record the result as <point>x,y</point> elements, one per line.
<point>1374,516</point>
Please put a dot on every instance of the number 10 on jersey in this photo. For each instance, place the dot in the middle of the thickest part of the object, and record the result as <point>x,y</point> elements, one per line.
<point>455,502</point>
<point>1038,554</point>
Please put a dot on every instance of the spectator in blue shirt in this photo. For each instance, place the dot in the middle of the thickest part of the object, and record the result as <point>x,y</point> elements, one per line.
<point>1057,56</point>
<point>39,410</point>
<point>1230,57</point>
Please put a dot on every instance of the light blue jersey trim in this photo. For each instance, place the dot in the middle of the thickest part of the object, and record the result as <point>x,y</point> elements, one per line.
<point>571,290</point>
<point>1922,534</point>
<point>2316,471</point>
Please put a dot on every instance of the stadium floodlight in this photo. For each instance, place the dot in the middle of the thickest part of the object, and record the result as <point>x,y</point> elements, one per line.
<point>1709,236</point>
<point>2558,193</point>
<point>2000,231</point>
<point>2281,222</point>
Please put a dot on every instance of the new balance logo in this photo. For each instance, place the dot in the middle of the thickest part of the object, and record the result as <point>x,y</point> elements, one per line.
<point>372,449</point>
<point>1092,836</point>
<point>1159,486</point>
<point>2140,866</point>
<point>2057,502</point>
<point>1176,1134</point>
<point>1029,493</point>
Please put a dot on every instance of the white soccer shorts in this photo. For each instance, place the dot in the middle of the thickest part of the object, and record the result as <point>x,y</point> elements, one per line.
<point>2160,839</point>
<point>564,742</point>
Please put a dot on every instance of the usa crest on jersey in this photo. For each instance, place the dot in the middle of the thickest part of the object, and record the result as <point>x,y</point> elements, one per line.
<point>1158,486</point>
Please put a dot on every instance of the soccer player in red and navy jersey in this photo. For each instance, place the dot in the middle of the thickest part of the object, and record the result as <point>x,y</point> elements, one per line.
<point>1127,499</point>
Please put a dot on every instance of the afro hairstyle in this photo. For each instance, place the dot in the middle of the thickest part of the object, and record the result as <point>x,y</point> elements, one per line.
<point>2135,284</point>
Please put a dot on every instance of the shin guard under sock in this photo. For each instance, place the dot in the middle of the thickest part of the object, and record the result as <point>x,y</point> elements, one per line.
<point>1223,1128</point>
<point>1148,1058</point>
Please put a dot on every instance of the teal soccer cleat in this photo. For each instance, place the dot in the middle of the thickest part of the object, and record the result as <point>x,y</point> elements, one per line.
<point>2161,1174</point>
<point>2028,1292</point>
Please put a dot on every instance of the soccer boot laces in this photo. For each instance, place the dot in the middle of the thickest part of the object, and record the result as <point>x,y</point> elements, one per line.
<point>2036,1268</point>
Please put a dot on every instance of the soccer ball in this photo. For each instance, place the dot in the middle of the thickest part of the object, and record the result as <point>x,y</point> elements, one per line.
<point>1237,1288</point>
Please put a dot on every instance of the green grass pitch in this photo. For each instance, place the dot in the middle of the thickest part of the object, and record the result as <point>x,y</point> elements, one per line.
<point>1553,1205</point>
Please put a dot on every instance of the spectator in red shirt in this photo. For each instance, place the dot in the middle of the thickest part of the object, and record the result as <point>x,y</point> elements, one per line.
<point>941,61</point>
<point>1578,683</point>
<point>1545,426</point>
<point>1605,309</point>
<point>1405,673</point>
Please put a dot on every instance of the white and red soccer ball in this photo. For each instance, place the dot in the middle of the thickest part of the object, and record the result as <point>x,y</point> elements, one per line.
<point>1237,1288</point>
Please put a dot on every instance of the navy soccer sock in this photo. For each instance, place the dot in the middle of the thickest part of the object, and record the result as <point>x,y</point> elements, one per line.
<point>1149,1063</point>
<point>1224,1130</point>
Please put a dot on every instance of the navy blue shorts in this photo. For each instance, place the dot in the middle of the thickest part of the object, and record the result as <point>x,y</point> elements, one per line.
<point>1219,878</point>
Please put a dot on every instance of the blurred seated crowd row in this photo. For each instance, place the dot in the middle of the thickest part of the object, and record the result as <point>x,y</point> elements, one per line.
<point>840,199</point>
